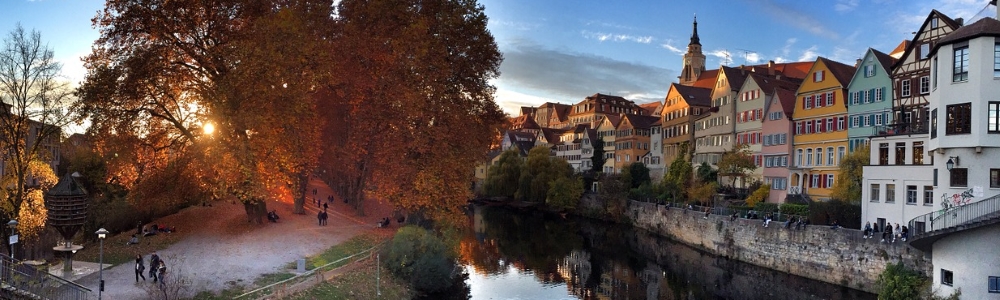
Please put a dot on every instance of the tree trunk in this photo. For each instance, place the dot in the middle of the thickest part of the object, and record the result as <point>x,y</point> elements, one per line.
<point>256,210</point>
<point>303,187</point>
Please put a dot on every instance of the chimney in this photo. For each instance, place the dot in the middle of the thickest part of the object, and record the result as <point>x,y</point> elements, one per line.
<point>770,67</point>
<point>960,21</point>
<point>743,69</point>
<point>857,63</point>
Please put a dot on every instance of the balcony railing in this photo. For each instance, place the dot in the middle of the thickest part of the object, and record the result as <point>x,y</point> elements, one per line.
<point>914,127</point>
<point>938,221</point>
<point>22,281</point>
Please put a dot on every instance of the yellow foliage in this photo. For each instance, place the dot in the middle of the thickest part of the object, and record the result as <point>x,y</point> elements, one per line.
<point>31,221</point>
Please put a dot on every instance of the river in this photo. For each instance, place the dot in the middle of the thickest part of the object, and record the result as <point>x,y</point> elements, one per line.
<point>515,254</point>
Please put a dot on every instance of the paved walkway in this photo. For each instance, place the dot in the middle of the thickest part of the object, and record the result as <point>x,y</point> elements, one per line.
<point>228,252</point>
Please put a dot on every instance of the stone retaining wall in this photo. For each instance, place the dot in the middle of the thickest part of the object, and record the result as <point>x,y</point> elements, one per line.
<point>839,256</point>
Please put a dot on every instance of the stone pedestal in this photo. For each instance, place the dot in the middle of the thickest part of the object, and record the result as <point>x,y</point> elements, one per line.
<point>68,249</point>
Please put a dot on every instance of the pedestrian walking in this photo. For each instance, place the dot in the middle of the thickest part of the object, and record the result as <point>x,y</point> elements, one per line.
<point>325,217</point>
<point>325,206</point>
<point>154,260</point>
<point>162,273</point>
<point>140,268</point>
<point>319,218</point>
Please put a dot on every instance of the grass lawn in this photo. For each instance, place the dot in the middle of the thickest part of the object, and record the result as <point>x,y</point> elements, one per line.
<point>359,283</point>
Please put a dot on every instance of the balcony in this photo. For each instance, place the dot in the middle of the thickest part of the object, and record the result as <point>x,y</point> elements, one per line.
<point>901,128</point>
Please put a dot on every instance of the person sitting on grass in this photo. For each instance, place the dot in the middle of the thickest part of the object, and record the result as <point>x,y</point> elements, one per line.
<point>134,240</point>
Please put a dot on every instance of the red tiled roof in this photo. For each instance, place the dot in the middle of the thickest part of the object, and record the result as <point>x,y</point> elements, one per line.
<point>769,83</point>
<point>638,121</point>
<point>735,76</point>
<point>652,108</point>
<point>706,79</point>
<point>900,49</point>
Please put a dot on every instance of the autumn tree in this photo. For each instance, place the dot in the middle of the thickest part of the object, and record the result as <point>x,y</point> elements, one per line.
<point>504,175</point>
<point>162,71</point>
<point>34,105</point>
<point>847,187</point>
<point>415,106</point>
<point>759,195</point>
<point>737,163</point>
<point>702,191</point>
<point>679,175</point>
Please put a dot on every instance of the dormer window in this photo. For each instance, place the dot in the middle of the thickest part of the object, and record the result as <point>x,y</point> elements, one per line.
<point>818,76</point>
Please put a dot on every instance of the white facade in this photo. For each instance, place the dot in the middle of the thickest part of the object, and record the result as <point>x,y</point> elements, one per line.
<point>894,192</point>
<point>655,161</point>
<point>973,259</point>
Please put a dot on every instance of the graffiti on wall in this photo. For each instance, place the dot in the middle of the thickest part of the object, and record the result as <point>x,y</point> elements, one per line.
<point>957,200</point>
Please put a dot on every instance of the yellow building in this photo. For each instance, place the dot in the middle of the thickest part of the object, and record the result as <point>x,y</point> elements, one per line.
<point>820,130</point>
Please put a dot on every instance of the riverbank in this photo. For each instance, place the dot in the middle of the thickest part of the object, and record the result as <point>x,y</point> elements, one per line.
<point>836,256</point>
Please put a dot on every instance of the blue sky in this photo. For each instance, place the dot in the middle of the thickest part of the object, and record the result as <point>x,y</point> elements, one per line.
<point>562,50</point>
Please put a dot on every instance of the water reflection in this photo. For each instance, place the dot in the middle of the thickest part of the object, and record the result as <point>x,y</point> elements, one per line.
<point>512,254</point>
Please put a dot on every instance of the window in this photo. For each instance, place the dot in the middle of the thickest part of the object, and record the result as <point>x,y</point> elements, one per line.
<point>925,85</point>
<point>928,195</point>
<point>829,99</point>
<point>878,119</point>
<point>869,70</point>
<point>904,89</point>
<point>798,157</point>
<point>874,193</point>
<point>958,119</point>
<point>996,61</point>
<point>918,153</point>
<point>855,122</point>
<point>829,156</point>
<point>900,153</point>
<point>960,65</point>
<point>878,95</point>
<point>890,193</point>
<point>911,194</point>
<point>867,121</point>
<point>993,117</point>
<point>959,177</point>
<point>815,181</point>
<point>809,157</point>
<point>925,49</point>
<point>947,277</point>
<point>840,123</point>
<point>883,154</point>
<point>808,101</point>
<point>994,282</point>
<point>819,156</point>
<point>818,76</point>
<point>840,153</point>
<point>994,178</point>
<point>934,123</point>
<point>829,181</point>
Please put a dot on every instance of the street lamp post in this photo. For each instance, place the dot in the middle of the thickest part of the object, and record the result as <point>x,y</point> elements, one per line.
<point>101,234</point>
<point>13,238</point>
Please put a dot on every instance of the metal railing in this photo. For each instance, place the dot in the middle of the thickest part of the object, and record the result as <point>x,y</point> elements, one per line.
<point>927,224</point>
<point>914,127</point>
<point>19,280</point>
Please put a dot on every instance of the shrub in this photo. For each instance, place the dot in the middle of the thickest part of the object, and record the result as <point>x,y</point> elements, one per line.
<point>898,282</point>
<point>759,195</point>
<point>420,257</point>
<point>794,209</point>
<point>766,207</point>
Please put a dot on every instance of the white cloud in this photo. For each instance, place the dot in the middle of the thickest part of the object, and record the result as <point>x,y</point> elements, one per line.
<point>600,36</point>
<point>725,57</point>
<point>752,57</point>
<point>845,5</point>
<point>673,49</point>
<point>810,54</point>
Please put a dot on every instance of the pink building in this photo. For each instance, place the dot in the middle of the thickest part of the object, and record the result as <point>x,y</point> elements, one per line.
<point>777,137</point>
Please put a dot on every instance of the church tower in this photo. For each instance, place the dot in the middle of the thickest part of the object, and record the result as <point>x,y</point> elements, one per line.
<point>694,60</point>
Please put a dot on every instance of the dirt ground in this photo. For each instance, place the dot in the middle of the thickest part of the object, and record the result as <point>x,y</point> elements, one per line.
<point>221,249</point>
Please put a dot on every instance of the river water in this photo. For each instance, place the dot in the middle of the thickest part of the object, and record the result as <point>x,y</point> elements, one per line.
<point>515,254</point>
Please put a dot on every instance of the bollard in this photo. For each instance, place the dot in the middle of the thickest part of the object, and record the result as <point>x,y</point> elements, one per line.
<point>301,265</point>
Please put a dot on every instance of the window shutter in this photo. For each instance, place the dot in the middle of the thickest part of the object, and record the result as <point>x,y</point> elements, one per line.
<point>833,98</point>
<point>804,99</point>
<point>883,93</point>
<point>822,180</point>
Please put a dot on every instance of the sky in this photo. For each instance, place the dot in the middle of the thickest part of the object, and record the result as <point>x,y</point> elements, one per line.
<point>564,50</point>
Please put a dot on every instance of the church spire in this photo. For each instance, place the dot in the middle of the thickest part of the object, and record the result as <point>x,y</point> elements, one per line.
<point>694,35</point>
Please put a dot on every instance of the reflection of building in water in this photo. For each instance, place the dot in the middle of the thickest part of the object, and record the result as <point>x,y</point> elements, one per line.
<point>651,276</point>
<point>478,225</point>
<point>575,269</point>
<point>615,282</point>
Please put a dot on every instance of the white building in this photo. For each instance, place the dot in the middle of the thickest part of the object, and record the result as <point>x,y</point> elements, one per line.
<point>963,237</point>
<point>898,183</point>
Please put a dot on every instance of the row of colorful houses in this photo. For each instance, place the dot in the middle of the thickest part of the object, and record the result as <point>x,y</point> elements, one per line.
<point>928,110</point>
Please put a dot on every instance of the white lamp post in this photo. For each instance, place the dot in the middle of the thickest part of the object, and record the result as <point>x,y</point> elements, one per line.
<point>13,238</point>
<point>101,234</point>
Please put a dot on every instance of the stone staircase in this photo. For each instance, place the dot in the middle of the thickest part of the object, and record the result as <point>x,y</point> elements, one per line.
<point>928,228</point>
<point>23,281</point>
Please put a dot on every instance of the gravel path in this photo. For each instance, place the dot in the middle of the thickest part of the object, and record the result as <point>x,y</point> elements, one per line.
<point>224,251</point>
